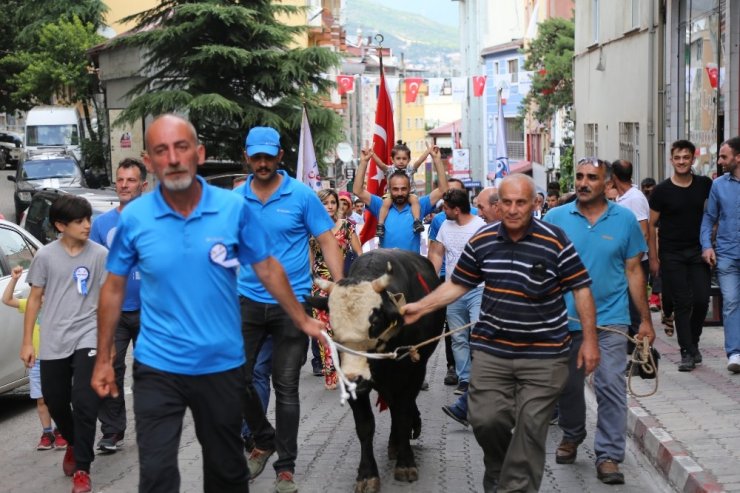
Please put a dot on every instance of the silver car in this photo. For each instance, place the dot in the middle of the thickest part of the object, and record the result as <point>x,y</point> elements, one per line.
<point>17,247</point>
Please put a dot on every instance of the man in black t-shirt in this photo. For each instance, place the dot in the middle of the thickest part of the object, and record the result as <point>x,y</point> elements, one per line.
<point>678,203</point>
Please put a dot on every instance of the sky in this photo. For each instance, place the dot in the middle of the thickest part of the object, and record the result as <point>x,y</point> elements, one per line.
<point>443,11</point>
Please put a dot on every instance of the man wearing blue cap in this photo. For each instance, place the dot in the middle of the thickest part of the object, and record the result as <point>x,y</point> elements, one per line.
<point>295,213</point>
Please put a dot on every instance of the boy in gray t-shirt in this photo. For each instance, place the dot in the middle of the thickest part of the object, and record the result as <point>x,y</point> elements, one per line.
<point>68,273</point>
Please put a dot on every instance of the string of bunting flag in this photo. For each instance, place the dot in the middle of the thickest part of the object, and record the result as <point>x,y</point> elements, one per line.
<point>457,87</point>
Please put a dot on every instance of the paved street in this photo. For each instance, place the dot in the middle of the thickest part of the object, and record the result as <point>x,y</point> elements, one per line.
<point>449,458</point>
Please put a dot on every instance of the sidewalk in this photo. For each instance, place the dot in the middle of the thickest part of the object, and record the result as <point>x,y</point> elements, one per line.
<point>690,429</point>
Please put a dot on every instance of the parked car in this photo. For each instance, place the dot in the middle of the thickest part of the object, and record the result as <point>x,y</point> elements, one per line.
<point>44,171</point>
<point>17,247</point>
<point>226,180</point>
<point>36,219</point>
<point>11,149</point>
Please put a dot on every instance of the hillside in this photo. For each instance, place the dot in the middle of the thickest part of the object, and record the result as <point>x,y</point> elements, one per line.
<point>420,38</point>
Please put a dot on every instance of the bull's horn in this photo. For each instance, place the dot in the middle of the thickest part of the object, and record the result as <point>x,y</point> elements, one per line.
<point>381,283</point>
<point>324,284</point>
<point>388,268</point>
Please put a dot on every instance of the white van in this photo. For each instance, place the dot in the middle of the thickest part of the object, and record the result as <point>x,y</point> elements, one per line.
<point>53,129</point>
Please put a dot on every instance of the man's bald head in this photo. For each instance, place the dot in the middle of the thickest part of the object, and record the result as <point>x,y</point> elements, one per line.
<point>168,119</point>
<point>488,205</point>
<point>519,179</point>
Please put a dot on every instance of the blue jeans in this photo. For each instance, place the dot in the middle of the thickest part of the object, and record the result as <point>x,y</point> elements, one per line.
<point>463,311</point>
<point>610,387</point>
<point>728,274</point>
<point>261,378</point>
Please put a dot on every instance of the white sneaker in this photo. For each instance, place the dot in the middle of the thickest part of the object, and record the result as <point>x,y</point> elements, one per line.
<point>733,364</point>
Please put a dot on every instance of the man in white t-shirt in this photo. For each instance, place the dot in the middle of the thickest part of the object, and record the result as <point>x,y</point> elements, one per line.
<point>451,239</point>
<point>630,197</point>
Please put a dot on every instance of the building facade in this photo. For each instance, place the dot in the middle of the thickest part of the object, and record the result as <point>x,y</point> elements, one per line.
<point>649,72</point>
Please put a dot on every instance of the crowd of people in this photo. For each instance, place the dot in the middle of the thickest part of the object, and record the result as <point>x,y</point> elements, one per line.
<point>209,285</point>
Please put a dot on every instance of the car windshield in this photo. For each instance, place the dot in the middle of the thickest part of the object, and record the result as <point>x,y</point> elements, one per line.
<point>51,135</point>
<point>53,168</point>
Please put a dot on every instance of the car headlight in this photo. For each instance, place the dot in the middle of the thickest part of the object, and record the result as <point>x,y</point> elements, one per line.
<point>24,196</point>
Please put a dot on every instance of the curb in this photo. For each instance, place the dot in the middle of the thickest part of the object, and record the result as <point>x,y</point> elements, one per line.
<point>668,456</point>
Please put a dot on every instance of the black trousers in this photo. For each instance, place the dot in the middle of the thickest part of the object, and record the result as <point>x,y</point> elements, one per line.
<point>73,404</point>
<point>289,347</point>
<point>112,413</point>
<point>687,280</point>
<point>214,399</point>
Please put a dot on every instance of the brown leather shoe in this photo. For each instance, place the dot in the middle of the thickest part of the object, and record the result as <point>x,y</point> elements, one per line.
<point>608,472</point>
<point>566,452</point>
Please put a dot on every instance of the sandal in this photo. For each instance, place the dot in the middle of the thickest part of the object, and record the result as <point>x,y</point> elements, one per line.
<point>667,321</point>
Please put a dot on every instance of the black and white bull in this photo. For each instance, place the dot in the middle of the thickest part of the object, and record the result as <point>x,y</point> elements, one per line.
<point>364,314</point>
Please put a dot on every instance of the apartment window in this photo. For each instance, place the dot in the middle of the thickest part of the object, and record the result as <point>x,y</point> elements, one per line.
<point>629,145</point>
<point>591,139</point>
<point>495,68</point>
<point>514,70</point>
<point>408,123</point>
<point>636,13</point>
<point>514,139</point>
<point>595,20</point>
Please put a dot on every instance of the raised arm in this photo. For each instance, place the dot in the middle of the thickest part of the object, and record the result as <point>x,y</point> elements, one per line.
<point>379,162</point>
<point>8,298</point>
<point>423,157</point>
<point>359,185</point>
<point>441,175</point>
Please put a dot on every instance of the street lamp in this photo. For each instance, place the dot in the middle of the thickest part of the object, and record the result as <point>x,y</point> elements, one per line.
<point>349,170</point>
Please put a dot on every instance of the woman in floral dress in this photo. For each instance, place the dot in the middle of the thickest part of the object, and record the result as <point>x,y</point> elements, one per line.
<point>344,232</point>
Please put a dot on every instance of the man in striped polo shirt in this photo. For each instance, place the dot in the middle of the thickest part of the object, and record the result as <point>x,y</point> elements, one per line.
<point>521,342</point>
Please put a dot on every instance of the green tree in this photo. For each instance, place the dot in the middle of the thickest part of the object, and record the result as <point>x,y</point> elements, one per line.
<point>31,17</point>
<point>550,57</point>
<point>231,65</point>
<point>57,66</point>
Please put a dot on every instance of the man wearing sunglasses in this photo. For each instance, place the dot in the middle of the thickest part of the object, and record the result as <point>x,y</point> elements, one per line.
<point>610,242</point>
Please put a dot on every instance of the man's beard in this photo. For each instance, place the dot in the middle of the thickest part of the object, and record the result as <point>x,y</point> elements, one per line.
<point>400,199</point>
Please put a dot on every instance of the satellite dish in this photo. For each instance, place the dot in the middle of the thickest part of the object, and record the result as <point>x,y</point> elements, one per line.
<point>344,152</point>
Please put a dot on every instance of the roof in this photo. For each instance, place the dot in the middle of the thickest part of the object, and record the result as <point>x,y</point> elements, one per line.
<point>514,44</point>
<point>446,129</point>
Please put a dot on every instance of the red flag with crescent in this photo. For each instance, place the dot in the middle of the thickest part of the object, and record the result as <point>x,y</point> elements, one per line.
<point>383,140</point>
<point>479,85</point>
<point>345,84</point>
<point>412,88</point>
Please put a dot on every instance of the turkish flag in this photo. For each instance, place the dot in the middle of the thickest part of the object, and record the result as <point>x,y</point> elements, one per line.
<point>713,74</point>
<point>412,88</point>
<point>479,84</point>
<point>345,84</point>
<point>383,141</point>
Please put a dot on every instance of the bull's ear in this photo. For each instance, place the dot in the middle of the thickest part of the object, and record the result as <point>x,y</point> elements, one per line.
<point>318,302</point>
<point>324,284</point>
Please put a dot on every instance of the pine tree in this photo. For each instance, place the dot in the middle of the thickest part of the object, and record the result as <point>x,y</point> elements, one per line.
<point>231,65</point>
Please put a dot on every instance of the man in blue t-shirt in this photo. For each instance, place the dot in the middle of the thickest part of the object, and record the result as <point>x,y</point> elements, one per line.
<point>187,239</point>
<point>295,213</point>
<point>610,243</point>
<point>130,184</point>
<point>399,223</point>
